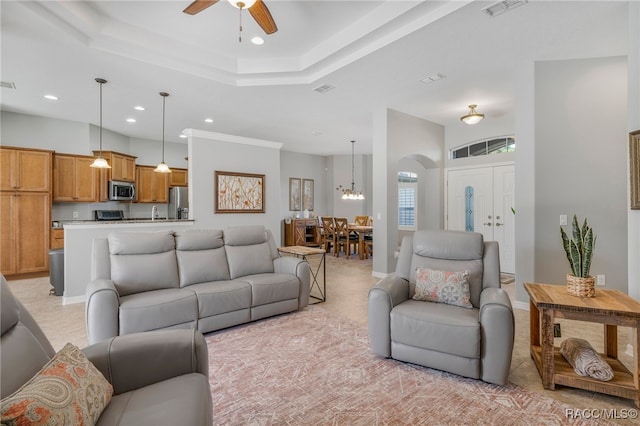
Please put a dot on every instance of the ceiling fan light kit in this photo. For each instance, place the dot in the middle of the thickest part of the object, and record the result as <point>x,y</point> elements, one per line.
<point>473,117</point>
<point>257,9</point>
<point>100,162</point>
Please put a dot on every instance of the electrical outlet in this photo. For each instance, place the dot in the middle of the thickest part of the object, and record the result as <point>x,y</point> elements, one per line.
<point>563,219</point>
<point>556,330</point>
<point>75,215</point>
<point>600,280</point>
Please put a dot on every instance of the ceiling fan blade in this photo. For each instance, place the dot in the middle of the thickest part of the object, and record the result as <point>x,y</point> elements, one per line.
<point>198,6</point>
<point>263,17</point>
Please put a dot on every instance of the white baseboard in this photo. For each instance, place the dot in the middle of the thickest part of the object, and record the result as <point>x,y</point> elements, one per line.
<point>72,300</point>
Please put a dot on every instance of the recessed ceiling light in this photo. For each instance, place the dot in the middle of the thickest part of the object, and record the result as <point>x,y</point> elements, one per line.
<point>183,136</point>
<point>208,120</point>
<point>139,108</point>
<point>51,97</point>
<point>131,120</point>
<point>257,40</point>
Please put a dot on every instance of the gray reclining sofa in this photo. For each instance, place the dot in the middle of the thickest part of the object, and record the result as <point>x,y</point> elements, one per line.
<point>203,279</point>
<point>158,378</point>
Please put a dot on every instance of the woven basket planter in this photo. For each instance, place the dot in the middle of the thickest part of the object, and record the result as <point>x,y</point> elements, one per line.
<point>581,287</point>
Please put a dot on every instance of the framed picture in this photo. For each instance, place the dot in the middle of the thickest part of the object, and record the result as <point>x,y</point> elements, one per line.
<point>239,192</point>
<point>634,168</point>
<point>295,200</point>
<point>307,194</point>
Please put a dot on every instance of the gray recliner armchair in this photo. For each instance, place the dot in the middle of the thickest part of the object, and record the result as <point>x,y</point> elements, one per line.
<point>474,342</point>
<point>159,377</point>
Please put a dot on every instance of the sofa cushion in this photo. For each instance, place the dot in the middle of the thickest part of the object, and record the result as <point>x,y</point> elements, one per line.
<point>69,388</point>
<point>157,309</point>
<point>182,400</point>
<point>143,261</point>
<point>201,266</point>
<point>248,260</point>
<point>270,288</point>
<point>220,297</point>
<point>447,287</point>
<point>431,325</point>
<point>193,239</point>
<point>244,235</point>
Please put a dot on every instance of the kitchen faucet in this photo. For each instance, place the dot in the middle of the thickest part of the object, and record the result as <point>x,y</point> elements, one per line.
<point>154,213</point>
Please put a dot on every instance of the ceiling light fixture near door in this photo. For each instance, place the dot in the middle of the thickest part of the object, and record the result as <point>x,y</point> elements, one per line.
<point>100,163</point>
<point>162,167</point>
<point>473,117</point>
<point>351,193</point>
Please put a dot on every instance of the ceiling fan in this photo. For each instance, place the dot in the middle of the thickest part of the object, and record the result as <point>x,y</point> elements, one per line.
<point>257,9</point>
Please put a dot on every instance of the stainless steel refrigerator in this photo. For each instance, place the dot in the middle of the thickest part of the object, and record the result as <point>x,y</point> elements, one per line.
<point>178,203</point>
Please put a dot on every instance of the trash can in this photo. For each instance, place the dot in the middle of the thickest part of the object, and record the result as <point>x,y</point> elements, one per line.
<point>56,271</point>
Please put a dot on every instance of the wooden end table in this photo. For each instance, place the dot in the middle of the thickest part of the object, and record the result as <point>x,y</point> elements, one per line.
<point>304,252</point>
<point>609,307</point>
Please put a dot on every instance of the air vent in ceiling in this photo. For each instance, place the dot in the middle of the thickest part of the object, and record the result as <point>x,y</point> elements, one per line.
<point>500,7</point>
<point>324,88</point>
<point>433,77</point>
<point>7,84</point>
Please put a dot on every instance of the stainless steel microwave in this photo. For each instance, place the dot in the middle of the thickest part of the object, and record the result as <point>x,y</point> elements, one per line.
<point>121,191</point>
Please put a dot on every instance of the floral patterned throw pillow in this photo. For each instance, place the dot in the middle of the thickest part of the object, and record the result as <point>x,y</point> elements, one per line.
<point>447,287</point>
<point>69,390</point>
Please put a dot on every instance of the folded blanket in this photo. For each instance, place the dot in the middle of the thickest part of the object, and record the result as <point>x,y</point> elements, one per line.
<point>585,360</point>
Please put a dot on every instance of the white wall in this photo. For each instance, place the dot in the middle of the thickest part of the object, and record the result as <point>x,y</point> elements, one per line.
<point>397,135</point>
<point>32,131</point>
<point>581,162</point>
<point>304,166</point>
<point>209,152</point>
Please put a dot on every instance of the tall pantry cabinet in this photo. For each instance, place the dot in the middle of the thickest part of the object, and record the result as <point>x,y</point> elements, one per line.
<point>25,210</point>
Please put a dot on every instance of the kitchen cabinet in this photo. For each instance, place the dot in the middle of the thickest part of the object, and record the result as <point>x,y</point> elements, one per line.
<point>179,177</point>
<point>24,169</point>
<point>123,168</point>
<point>74,180</point>
<point>301,232</point>
<point>151,187</point>
<point>24,232</point>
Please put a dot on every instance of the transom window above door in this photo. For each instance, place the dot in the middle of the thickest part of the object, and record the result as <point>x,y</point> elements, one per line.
<point>496,145</point>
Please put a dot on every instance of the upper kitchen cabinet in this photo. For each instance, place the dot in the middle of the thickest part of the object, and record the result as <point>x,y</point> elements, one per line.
<point>123,168</point>
<point>74,180</point>
<point>23,169</point>
<point>151,187</point>
<point>179,177</point>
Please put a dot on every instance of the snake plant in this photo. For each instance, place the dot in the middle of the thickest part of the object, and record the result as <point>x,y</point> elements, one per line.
<point>579,249</point>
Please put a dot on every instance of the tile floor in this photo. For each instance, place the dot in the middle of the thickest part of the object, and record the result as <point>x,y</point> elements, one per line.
<point>348,282</point>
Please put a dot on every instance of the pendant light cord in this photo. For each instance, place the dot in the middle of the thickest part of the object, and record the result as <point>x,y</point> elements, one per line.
<point>353,179</point>
<point>164,101</point>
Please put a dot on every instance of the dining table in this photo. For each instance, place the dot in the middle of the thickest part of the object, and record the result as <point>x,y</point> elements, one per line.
<point>361,230</point>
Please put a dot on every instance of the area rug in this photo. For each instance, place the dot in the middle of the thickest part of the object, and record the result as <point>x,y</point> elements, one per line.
<point>315,368</point>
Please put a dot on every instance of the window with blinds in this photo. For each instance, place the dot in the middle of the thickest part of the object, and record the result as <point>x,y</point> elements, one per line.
<point>407,191</point>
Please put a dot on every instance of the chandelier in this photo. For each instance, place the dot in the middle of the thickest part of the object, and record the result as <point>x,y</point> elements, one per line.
<point>351,193</point>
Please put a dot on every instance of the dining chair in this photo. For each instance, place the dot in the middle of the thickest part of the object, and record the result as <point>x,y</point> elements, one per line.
<point>328,234</point>
<point>344,238</point>
<point>361,220</point>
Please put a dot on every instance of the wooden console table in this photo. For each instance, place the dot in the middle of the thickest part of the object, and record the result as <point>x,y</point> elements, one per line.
<point>608,307</point>
<point>304,252</point>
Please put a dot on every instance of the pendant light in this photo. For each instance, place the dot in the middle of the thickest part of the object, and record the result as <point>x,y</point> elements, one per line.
<point>100,162</point>
<point>162,167</point>
<point>351,193</point>
<point>473,117</point>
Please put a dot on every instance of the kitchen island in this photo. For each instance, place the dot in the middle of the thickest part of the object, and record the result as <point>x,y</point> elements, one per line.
<point>78,243</point>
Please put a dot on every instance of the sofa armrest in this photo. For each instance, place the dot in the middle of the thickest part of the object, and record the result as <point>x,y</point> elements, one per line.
<point>386,294</point>
<point>498,329</point>
<point>136,360</point>
<point>102,308</point>
<point>300,268</point>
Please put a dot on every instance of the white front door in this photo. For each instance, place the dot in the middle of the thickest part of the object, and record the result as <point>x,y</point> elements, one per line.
<point>480,200</point>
